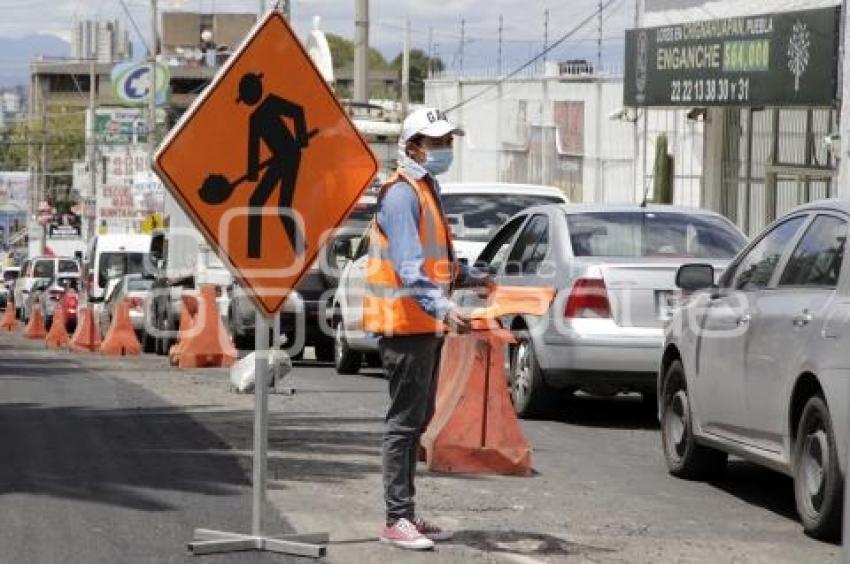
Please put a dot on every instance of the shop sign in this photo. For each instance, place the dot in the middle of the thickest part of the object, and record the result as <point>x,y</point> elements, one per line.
<point>781,59</point>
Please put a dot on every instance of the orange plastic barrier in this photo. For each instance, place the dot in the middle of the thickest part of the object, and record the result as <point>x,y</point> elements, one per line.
<point>515,300</point>
<point>120,338</point>
<point>86,337</point>
<point>58,334</point>
<point>187,319</point>
<point>35,328</point>
<point>475,429</point>
<point>207,343</point>
<point>8,322</point>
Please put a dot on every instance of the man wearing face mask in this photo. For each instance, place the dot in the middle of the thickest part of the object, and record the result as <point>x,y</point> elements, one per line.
<point>410,275</point>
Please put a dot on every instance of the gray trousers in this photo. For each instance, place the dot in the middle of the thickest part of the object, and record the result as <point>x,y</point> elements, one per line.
<point>411,364</point>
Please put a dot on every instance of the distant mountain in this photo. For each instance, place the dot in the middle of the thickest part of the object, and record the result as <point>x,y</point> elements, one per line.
<point>16,54</point>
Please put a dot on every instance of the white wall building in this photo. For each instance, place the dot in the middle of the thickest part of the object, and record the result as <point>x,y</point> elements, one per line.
<point>105,41</point>
<point>555,130</point>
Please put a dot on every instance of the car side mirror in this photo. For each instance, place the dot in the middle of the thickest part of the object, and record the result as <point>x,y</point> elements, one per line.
<point>693,277</point>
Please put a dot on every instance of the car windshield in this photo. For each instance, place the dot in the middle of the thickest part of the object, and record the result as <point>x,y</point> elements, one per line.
<point>113,265</point>
<point>475,217</point>
<point>43,269</point>
<point>139,284</point>
<point>67,265</point>
<point>652,234</point>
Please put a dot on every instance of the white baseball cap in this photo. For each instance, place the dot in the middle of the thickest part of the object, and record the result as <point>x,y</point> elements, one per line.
<point>429,122</point>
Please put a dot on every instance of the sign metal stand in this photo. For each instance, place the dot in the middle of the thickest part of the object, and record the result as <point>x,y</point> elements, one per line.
<point>212,542</point>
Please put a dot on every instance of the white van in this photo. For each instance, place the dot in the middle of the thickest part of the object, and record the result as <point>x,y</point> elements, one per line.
<point>112,256</point>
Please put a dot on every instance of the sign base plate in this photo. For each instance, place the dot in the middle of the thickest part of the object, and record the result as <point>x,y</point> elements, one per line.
<point>216,542</point>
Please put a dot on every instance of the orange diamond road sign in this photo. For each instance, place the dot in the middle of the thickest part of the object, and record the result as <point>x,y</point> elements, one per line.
<point>266,162</point>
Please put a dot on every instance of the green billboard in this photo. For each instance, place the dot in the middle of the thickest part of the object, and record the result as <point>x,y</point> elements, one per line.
<point>782,59</point>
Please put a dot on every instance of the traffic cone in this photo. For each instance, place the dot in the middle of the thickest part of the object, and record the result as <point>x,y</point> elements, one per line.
<point>58,334</point>
<point>35,328</point>
<point>187,320</point>
<point>474,429</point>
<point>86,337</point>
<point>120,338</point>
<point>8,322</point>
<point>208,343</point>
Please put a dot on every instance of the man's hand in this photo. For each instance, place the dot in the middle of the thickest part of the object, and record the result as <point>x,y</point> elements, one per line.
<point>457,321</point>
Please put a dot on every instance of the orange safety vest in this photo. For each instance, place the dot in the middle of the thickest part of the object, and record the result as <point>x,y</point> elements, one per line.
<point>388,308</point>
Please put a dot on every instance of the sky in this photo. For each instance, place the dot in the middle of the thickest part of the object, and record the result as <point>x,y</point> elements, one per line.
<point>523,29</point>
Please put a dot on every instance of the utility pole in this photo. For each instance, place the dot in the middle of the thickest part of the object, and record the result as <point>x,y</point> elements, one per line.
<point>43,166</point>
<point>501,27</point>
<point>152,90</point>
<point>430,51</point>
<point>361,51</point>
<point>405,70</point>
<point>545,37</point>
<point>599,41</point>
<point>92,149</point>
<point>462,45</point>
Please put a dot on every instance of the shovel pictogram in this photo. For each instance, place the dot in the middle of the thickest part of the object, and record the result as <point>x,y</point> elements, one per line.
<point>217,189</point>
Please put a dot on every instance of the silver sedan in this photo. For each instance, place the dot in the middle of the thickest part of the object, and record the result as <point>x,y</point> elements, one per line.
<point>613,269</point>
<point>756,365</point>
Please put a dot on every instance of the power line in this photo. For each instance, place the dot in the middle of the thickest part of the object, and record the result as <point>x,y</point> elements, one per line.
<point>602,7</point>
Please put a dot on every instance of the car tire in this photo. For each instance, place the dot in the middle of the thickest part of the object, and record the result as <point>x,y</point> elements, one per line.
<point>324,349</point>
<point>685,457</point>
<point>346,361</point>
<point>148,342</point>
<point>163,343</point>
<point>529,393</point>
<point>818,486</point>
<point>373,360</point>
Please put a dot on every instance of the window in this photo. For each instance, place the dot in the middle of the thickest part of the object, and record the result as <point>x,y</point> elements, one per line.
<point>494,254</point>
<point>66,265</point>
<point>117,264</point>
<point>817,259</point>
<point>756,268</point>
<point>10,275</point>
<point>653,234</point>
<point>43,269</point>
<point>474,217</point>
<point>531,247</point>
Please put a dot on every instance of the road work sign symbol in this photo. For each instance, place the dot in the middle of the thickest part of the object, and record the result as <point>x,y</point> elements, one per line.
<point>266,162</point>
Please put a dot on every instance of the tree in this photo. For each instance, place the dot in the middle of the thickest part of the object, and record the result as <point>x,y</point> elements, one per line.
<point>419,66</point>
<point>342,52</point>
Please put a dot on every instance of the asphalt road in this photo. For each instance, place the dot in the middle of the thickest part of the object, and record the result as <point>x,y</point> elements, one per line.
<point>96,469</point>
<point>118,460</point>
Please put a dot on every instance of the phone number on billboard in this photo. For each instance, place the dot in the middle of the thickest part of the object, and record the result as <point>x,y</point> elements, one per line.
<point>710,90</point>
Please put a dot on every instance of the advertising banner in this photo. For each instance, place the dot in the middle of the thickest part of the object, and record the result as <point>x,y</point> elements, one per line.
<point>783,59</point>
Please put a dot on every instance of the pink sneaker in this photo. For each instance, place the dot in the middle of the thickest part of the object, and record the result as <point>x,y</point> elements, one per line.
<point>431,530</point>
<point>403,534</point>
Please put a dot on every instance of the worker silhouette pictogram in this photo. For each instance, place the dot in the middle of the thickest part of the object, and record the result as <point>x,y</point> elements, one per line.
<point>267,125</point>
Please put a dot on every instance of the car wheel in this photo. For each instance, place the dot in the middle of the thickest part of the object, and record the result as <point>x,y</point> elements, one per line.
<point>685,457</point>
<point>373,360</point>
<point>163,342</point>
<point>148,342</point>
<point>817,478</point>
<point>346,360</point>
<point>529,393</point>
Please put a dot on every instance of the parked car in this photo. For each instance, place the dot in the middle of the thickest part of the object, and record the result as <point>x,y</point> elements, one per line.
<point>305,308</point>
<point>46,293</point>
<point>41,267</point>
<point>613,270</point>
<point>474,212</point>
<point>755,366</point>
<point>134,288</point>
<point>7,284</point>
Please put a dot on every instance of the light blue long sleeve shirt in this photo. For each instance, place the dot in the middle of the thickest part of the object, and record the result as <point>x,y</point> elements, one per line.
<point>398,217</point>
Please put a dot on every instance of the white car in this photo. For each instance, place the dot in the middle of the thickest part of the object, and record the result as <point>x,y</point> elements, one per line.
<point>756,366</point>
<point>475,211</point>
<point>41,267</point>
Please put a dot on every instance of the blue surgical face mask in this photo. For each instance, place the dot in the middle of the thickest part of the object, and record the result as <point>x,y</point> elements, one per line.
<point>438,161</point>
